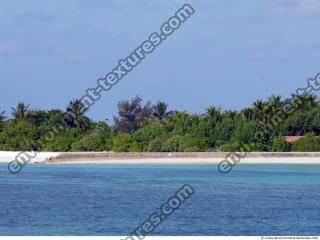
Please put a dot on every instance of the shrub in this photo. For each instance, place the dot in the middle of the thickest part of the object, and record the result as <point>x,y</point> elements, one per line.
<point>316,123</point>
<point>59,144</point>
<point>254,147</point>
<point>246,133</point>
<point>309,143</point>
<point>146,134</point>
<point>189,143</point>
<point>222,132</point>
<point>135,147</point>
<point>92,142</point>
<point>229,147</point>
<point>19,136</point>
<point>156,144</point>
<point>298,124</point>
<point>122,142</point>
<point>172,144</point>
<point>278,144</point>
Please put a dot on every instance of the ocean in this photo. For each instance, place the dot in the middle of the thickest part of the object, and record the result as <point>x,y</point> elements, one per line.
<point>102,199</point>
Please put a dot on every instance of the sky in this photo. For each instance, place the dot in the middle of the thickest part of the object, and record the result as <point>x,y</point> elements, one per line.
<point>228,54</point>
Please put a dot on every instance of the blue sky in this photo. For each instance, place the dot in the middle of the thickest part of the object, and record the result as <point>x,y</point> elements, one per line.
<point>228,54</point>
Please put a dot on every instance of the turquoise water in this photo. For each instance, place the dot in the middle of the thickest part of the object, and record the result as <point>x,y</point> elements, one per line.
<point>115,199</point>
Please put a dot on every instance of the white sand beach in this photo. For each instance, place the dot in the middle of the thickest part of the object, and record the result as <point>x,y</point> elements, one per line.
<point>6,156</point>
<point>162,158</point>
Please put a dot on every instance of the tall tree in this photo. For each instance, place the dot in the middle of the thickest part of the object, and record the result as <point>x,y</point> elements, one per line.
<point>131,115</point>
<point>75,115</point>
<point>304,102</point>
<point>2,116</point>
<point>213,114</point>
<point>259,110</point>
<point>247,114</point>
<point>160,110</point>
<point>274,104</point>
<point>21,111</point>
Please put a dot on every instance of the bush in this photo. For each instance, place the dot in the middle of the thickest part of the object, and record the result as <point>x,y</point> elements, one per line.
<point>309,143</point>
<point>254,147</point>
<point>191,143</point>
<point>229,147</point>
<point>316,123</point>
<point>122,142</point>
<point>19,136</point>
<point>148,133</point>
<point>92,142</point>
<point>156,144</point>
<point>59,144</point>
<point>299,123</point>
<point>246,133</point>
<point>135,147</point>
<point>172,144</point>
<point>278,144</point>
<point>222,132</point>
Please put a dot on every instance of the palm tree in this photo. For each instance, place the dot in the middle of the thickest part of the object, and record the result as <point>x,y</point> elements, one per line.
<point>273,106</point>
<point>275,103</point>
<point>75,114</point>
<point>2,116</point>
<point>177,116</point>
<point>247,114</point>
<point>229,114</point>
<point>259,110</point>
<point>213,114</point>
<point>21,111</point>
<point>160,110</point>
<point>304,101</point>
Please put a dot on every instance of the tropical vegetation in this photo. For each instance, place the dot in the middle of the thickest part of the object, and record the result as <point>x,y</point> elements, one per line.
<point>141,127</point>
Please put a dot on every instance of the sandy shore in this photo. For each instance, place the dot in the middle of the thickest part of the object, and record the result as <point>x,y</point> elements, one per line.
<point>40,156</point>
<point>163,158</point>
<point>305,160</point>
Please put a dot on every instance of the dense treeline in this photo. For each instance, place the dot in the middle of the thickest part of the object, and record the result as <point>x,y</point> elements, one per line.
<point>153,128</point>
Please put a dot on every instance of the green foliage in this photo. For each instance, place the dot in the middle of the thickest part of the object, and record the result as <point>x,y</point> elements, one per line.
<point>135,147</point>
<point>189,143</point>
<point>222,133</point>
<point>299,123</point>
<point>123,143</point>
<point>309,143</point>
<point>75,115</point>
<point>21,111</point>
<point>155,145</point>
<point>92,142</point>
<point>21,135</point>
<point>172,144</point>
<point>2,116</point>
<point>316,123</point>
<point>229,147</point>
<point>248,132</point>
<point>60,141</point>
<point>278,144</point>
<point>146,134</point>
<point>138,127</point>
<point>159,111</point>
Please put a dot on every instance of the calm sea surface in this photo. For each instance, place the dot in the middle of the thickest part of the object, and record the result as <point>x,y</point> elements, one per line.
<point>115,199</point>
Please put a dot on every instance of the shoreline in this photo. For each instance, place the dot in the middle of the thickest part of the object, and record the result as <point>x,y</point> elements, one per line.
<point>165,158</point>
<point>203,161</point>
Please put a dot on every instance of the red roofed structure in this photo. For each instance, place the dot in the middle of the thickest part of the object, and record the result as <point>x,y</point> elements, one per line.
<point>292,138</point>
